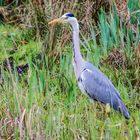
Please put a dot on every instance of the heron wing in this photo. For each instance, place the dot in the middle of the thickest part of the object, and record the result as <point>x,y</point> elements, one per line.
<point>98,86</point>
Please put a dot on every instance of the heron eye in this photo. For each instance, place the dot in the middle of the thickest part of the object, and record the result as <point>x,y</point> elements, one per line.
<point>66,17</point>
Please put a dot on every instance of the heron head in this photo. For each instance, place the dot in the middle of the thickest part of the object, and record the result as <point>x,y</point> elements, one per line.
<point>66,18</point>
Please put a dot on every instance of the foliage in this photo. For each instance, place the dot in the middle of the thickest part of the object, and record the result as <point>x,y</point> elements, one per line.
<point>134,7</point>
<point>44,102</point>
<point>17,44</point>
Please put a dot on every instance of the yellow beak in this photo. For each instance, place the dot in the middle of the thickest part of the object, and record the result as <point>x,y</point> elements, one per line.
<point>58,20</point>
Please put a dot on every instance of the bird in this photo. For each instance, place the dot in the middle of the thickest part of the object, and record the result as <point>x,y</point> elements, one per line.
<point>91,80</point>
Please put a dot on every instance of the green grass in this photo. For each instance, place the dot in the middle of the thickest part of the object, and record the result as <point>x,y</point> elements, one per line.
<point>51,106</point>
<point>46,103</point>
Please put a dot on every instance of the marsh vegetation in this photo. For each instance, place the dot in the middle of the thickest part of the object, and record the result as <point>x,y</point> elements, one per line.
<point>39,96</point>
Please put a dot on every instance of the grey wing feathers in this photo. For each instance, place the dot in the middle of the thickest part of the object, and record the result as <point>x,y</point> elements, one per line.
<point>100,88</point>
<point>97,87</point>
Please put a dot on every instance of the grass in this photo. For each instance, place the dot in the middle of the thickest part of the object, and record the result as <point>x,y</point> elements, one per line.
<point>45,102</point>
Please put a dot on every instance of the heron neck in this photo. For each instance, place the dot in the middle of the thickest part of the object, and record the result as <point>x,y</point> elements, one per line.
<point>76,45</point>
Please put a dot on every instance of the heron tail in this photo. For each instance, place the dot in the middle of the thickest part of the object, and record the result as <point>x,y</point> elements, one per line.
<point>118,105</point>
<point>123,110</point>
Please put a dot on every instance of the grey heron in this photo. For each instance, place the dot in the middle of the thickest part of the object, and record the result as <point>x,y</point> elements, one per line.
<point>91,80</point>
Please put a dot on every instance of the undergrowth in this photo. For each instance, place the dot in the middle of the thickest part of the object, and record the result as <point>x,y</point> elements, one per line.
<point>40,98</point>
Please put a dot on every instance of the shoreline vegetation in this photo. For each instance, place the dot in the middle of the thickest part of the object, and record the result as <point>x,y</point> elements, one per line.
<point>39,96</point>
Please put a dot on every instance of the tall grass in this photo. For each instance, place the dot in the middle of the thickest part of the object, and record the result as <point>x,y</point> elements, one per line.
<point>45,102</point>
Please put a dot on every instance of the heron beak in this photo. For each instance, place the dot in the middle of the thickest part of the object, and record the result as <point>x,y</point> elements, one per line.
<point>58,20</point>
